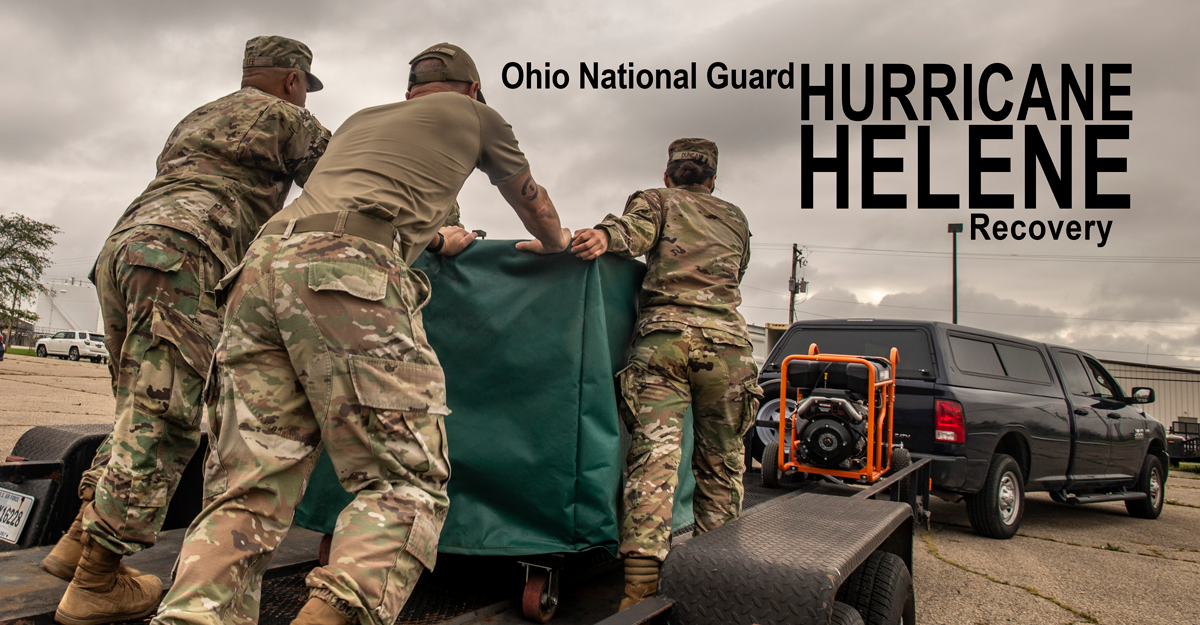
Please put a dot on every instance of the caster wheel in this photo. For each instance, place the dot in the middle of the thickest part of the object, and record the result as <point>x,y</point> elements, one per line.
<point>770,466</point>
<point>539,601</point>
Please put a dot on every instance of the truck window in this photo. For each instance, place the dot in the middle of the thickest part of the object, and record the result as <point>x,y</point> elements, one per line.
<point>1103,383</point>
<point>1023,362</point>
<point>97,337</point>
<point>916,352</point>
<point>60,335</point>
<point>976,356</point>
<point>1074,376</point>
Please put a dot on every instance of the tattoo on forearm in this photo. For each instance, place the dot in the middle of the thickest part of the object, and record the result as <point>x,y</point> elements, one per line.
<point>529,190</point>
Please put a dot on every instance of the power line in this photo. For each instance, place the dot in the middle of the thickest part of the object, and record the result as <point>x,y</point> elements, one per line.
<point>976,312</point>
<point>867,251</point>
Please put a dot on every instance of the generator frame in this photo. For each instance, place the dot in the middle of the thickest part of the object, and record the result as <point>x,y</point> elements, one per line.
<point>875,466</point>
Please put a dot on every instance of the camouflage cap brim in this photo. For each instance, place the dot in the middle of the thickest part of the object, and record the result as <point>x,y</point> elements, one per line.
<point>314,83</point>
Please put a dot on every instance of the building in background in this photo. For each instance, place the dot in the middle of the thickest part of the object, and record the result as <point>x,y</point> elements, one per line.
<point>1176,390</point>
<point>68,304</point>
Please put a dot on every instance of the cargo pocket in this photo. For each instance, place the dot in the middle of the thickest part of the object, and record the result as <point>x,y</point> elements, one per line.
<point>626,381</point>
<point>423,541</point>
<point>407,403</point>
<point>721,337</point>
<point>752,395</point>
<point>360,280</point>
<point>662,326</point>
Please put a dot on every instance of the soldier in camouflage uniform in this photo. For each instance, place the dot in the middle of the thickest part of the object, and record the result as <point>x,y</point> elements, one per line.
<point>692,349</point>
<point>225,169</point>
<point>323,345</point>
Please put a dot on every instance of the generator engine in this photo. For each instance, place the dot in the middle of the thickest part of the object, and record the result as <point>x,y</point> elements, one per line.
<point>833,430</point>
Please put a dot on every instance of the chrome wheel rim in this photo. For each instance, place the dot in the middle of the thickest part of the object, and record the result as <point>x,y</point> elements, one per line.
<point>1155,488</point>
<point>1007,499</point>
<point>769,411</point>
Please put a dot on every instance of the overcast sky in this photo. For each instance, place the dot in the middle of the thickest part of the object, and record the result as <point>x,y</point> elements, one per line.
<point>91,90</point>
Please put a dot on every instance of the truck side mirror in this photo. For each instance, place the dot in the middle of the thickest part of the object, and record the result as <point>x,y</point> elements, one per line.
<point>1142,395</point>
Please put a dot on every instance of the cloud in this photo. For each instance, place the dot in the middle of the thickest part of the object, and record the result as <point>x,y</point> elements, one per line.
<point>92,89</point>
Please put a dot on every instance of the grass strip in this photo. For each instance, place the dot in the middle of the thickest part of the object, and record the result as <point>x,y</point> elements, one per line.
<point>933,550</point>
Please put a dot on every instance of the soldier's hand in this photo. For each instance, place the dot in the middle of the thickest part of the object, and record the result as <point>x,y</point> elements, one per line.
<point>457,240</point>
<point>589,243</point>
<point>538,247</point>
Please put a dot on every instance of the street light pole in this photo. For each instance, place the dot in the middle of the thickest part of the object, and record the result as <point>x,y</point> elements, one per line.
<point>954,229</point>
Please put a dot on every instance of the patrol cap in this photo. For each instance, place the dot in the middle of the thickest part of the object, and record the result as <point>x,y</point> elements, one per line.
<point>276,51</point>
<point>701,150</point>
<point>459,66</point>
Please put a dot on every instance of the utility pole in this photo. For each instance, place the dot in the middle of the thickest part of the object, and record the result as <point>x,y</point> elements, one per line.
<point>954,229</point>
<point>795,286</point>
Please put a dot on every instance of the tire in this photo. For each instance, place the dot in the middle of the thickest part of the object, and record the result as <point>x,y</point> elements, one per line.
<point>901,459</point>
<point>770,466</point>
<point>769,407</point>
<point>843,614</point>
<point>996,510</point>
<point>1151,481</point>
<point>73,355</point>
<point>41,351</point>
<point>880,590</point>
<point>95,360</point>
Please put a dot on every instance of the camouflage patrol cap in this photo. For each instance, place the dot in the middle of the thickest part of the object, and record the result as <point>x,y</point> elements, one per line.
<point>459,66</point>
<point>701,150</point>
<point>276,51</point>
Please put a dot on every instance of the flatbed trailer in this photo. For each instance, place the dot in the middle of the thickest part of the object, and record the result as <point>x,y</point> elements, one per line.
<point>787,560</point>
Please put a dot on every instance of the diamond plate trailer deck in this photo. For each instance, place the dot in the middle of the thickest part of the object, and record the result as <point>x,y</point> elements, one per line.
<point>782,562</point>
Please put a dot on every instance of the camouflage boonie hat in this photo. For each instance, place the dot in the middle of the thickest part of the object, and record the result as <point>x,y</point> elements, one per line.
<point>701,150</point>
<point>276,51</point>
<point>459,66</point>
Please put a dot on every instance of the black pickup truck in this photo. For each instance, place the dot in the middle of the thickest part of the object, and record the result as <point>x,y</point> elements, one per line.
<point>999,416</point>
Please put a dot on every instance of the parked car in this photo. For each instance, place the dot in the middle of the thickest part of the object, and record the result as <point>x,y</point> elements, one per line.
<point>73,346</point>
<point>999,416</point>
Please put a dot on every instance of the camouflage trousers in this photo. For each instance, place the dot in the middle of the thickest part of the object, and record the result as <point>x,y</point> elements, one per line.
<point>155,286</point>
<point>669,370</point>
<point>323,345</point>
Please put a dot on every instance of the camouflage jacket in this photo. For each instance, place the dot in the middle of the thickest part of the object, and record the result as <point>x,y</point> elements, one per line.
<point>697,248</point>
<point>227,168</point>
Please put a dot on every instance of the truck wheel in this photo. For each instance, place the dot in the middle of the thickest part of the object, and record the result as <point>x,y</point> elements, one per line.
<point>1151,482</point>
<point>73,355</point>
<point>843,614</point>
<point>880,590</point>
<point>41,351</point>
<point>770,466</point>
<point>996,510</point>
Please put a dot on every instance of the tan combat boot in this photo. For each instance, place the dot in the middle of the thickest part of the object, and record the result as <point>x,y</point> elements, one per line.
<point>317,612</point>
<point>641,580</point>
<point>62,560</point>
<point>102,593</point>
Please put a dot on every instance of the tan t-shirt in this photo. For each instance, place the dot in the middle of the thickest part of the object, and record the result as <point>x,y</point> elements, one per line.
<point>407,161</point>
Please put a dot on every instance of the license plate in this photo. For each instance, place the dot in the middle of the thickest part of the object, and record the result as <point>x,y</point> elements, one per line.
<point>14,511</point>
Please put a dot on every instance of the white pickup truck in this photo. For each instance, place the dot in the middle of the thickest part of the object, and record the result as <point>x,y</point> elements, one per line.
<point>73,346</point>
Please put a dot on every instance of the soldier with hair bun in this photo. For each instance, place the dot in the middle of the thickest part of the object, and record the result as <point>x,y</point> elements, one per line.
<point>692,349</point>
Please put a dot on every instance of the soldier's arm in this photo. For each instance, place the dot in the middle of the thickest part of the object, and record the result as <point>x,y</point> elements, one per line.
<point>745,259</point>
<point>537,212</point>
<point>629,236</point>
<point>306,147</point>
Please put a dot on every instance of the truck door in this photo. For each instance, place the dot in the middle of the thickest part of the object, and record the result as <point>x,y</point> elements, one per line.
<point>1090,449</point>
<point>1127,426</point>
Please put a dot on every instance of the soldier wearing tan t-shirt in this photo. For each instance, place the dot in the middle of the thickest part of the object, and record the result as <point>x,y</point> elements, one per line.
<point>323,345</point>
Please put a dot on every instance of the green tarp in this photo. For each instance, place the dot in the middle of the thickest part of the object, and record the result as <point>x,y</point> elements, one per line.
<point>530,345</point>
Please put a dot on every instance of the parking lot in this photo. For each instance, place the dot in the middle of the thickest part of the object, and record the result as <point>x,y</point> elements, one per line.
<point>1087,564</point>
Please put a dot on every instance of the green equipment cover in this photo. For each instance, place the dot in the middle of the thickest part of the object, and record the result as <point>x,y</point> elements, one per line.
<point>530,345</point>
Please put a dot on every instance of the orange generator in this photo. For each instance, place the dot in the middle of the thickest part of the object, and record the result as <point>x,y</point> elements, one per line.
<point>841,423</point>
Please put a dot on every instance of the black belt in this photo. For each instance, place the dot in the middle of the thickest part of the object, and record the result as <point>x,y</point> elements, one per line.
<point>344,222</point>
